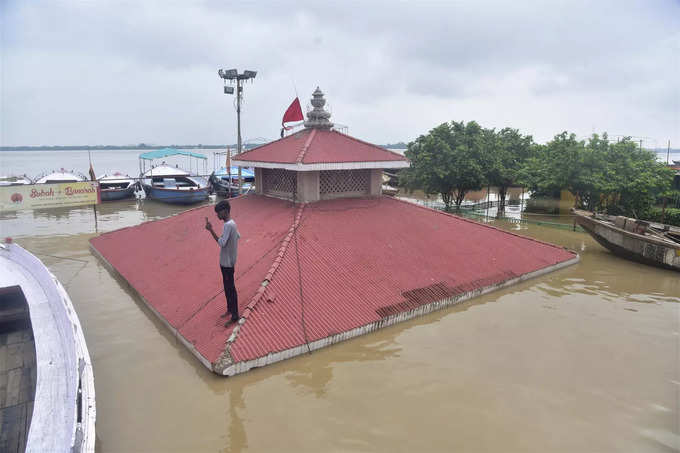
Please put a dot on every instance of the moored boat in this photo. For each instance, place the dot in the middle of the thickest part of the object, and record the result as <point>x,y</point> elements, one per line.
<point>641,241</point>
<point>14,180</point>
<point>225,182</point>
<point>116,186</point>
<point>53,406</point>
<point>172,184</point>
<point>60,176</point>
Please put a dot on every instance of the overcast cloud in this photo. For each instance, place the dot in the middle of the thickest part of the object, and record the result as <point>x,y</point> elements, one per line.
<point>97,72</point>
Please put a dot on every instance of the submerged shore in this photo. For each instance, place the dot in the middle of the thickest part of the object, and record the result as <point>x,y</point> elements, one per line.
<point>583,359</point>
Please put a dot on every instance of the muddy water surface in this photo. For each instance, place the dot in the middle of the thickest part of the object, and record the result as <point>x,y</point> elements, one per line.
<point>583,359</point>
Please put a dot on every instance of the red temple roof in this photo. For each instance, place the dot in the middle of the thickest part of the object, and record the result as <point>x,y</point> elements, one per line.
<point>314,149</point>
<point>311,275</point>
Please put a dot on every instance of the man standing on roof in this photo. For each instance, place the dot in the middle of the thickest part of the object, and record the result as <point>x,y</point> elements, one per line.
<point>228,243</point>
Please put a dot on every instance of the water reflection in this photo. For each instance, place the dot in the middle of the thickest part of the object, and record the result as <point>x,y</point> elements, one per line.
<point>101,218</point>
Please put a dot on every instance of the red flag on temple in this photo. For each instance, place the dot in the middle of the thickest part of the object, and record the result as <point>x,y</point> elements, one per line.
<point>294,113</point>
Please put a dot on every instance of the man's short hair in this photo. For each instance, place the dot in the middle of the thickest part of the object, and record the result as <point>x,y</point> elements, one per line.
<point>223,206</point>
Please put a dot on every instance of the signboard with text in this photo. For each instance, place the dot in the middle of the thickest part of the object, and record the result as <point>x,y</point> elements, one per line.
<point>45,196</point>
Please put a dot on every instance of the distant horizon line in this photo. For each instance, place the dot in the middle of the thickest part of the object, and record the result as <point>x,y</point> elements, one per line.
<point>144,146</point>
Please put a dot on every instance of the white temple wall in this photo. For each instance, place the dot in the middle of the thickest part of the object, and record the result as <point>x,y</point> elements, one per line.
<point>259,189</point>
<point>376,182</point>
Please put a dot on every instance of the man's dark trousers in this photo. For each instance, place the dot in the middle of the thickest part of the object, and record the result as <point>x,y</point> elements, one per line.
<point>230,291</point>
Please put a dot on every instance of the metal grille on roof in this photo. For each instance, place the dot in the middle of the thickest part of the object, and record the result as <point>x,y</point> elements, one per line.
<point>335,183</point>
<point>278,182</point>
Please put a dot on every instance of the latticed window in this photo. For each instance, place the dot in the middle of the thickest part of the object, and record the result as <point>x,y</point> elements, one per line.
<point>344,182</point>
<point>279,182</point>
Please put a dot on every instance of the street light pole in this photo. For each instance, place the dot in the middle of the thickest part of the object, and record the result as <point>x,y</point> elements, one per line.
<point>239,91</point>
<point>233,75</point>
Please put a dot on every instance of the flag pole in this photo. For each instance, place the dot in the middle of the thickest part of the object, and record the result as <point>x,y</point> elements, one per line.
<point>92,177</point>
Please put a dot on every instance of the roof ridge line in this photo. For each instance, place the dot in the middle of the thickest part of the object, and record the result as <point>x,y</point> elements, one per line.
<point>263,286</point>
<point>371,144</point>
<point>305,147</point>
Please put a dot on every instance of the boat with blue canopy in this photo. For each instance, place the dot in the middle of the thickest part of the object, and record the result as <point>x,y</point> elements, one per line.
<point>173,184</point>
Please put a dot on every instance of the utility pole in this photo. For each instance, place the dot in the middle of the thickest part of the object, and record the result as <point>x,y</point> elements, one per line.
<point>668,153</point>
<point>233,75</point>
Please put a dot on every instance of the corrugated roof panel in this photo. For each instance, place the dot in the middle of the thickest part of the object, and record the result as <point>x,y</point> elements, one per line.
<point>365,259</point>
<point>323,147</point>
<point>360,260</point>
<point>333,146</point>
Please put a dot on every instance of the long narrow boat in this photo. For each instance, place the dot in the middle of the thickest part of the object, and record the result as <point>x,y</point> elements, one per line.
<point>644,242</point>
<point>116,186</point>
<point>60,176</point>
<point>172,184</point>
<point>55,377</point>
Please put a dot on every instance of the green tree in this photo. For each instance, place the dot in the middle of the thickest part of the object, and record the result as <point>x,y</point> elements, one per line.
<point>636,179</point>
<point>509,152</point>
<point>618,177</point>
<point>566,163</point>
<point>450,160</point>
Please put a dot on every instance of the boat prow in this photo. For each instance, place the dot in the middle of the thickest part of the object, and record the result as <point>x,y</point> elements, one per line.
<point>64,412</point>
<point>637,240</point>
<point>172,184</point>
<point>116,186</point>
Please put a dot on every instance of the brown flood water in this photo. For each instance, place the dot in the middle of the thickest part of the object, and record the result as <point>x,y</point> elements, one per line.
<point>583,359</point>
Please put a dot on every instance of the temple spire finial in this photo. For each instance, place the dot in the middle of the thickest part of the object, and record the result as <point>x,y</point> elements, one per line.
<point>318,118</point>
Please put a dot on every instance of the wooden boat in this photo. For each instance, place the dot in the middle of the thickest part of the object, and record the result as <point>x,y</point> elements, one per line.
<point>60,176</point>
<point>645,242</point>
<point>49,396</point>
<point>172,184</point>
<point>116,186</point>
<point>225,183</point>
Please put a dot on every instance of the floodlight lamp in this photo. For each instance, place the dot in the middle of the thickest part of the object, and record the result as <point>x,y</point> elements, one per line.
<point>231,74</point>
<point>228,90</point>
<point>249,74</point>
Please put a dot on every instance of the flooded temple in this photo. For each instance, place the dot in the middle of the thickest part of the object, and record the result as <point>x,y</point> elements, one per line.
<point>323,255</point>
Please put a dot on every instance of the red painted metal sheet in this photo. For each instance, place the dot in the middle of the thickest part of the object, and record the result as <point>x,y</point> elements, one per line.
<point>335,147</point>
<point>364,259</point>
<point>360,260</point>
<point>324,147</point>
<point>174,264</point>
<point>285,150</point>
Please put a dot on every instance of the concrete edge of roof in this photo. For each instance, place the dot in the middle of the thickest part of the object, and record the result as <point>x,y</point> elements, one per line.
<point>241,367</point>
<point>173,331</point>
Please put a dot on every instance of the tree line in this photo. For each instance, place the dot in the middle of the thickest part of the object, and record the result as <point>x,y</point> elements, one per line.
<point>457,157</point>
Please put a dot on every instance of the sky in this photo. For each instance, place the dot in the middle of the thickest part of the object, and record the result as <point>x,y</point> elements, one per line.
<point>128,72</point>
